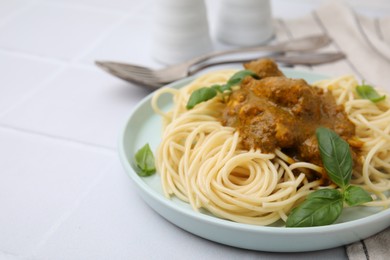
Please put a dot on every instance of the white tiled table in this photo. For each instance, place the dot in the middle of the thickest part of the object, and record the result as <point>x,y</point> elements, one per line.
<point>63,192</point>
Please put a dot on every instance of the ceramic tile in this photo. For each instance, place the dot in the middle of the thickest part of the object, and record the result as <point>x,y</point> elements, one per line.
<point>131,225</point>
<point>41,181</point>
<point>109,222</point>
<point>112,5</point>
<point>20,77</point>
<point>124,43</point>
<point>7,8</point>
<point>54,31</point>
<point>79,104</point>
<point>113,221</point>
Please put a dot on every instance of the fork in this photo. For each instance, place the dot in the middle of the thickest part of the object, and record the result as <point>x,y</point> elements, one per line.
<point>127,73</point>
<point>155,78</point>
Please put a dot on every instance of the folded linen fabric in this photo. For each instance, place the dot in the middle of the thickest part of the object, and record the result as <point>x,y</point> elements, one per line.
<point>366,43</point>
<point>364,40</point>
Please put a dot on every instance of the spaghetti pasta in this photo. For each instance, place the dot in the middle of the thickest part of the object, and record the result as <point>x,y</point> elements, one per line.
<point>201,162</point>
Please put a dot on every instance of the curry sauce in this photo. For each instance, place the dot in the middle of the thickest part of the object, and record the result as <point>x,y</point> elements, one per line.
<point>279,112</point>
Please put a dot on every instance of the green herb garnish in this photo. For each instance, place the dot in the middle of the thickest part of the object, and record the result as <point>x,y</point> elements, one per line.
<point>145,161</point>
<point>321,207</point>
<point>354,195</point>
<point>207,93</point>
<point>324,206</point>
<point>335,155</point>
<point>368,92</point>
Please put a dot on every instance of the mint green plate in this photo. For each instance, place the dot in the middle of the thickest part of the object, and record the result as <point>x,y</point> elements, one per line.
<point>144,126</point>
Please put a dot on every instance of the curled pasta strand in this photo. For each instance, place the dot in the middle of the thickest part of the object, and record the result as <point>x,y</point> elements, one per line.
<point>201,162</point>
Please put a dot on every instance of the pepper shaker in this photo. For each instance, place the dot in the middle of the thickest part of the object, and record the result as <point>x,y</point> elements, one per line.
<point>245,22</point>
<point>181,30</point>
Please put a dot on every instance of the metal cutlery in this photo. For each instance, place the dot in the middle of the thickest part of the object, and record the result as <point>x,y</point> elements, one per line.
<point>148,78</point>
<point>155,78</point>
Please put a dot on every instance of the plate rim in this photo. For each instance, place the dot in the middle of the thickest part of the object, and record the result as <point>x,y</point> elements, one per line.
<point>213,220</point>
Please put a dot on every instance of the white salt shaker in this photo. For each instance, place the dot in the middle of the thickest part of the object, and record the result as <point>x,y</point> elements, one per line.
<point>245,22</point>
<point>181,30</point>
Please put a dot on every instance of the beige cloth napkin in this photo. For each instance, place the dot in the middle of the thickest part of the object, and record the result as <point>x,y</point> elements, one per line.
<point>366,42</point>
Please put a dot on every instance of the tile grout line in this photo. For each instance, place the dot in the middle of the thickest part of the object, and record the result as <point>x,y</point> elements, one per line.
<point>35,57</point>
<point>85,7</point>
<point>40,85</point>
<point>107,149</point>
<point>99,39</point>
<point>63,65</point>
<point>49,60</point>
<point>66,215</point>
<point>103,35</point>
<point>118,23</point>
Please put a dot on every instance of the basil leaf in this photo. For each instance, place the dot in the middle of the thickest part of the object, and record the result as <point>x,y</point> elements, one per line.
<point>336,156</point>
<point>354,195</point>
<point>322,207</point>
<point>238,77</point>
<point>145,161</point>
<point>368,92</point>
<point>217,87</point>
<point>206,93</point>
<point>201,95</point>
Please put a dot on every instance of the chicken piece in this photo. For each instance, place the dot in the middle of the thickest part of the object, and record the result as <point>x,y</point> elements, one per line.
<point>264,68</point>
<point>279,112</point>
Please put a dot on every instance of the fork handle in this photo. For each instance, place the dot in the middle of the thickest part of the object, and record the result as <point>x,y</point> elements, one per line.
<point>312,42</point>
<point>301,59</point>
